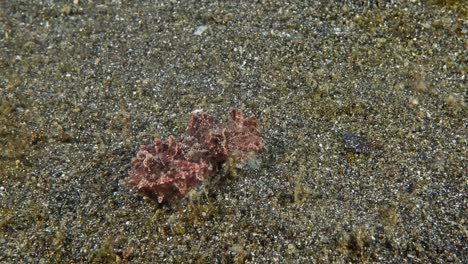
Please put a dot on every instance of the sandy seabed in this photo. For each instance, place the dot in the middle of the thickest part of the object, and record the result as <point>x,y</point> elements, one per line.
<point>362,105</point>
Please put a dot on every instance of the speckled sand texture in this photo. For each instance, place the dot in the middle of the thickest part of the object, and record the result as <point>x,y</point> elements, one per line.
<point>362,105</point>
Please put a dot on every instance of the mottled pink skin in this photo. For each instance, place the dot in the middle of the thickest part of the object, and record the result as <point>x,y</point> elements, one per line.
<point>160,171</point>
<point>241,133</point>
<point>164,171</point>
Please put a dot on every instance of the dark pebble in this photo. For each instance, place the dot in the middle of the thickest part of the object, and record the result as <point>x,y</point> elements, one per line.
<point>356,143</point>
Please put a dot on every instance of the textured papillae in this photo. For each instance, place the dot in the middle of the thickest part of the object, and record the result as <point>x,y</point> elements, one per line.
<point>166,170</point>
